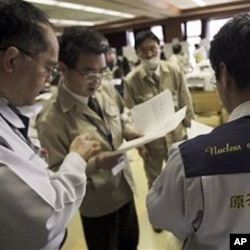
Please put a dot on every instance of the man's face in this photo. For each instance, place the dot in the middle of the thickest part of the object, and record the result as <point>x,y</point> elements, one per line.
<point>32,72</point>
<point>86,77</point>
<point>148,49</point>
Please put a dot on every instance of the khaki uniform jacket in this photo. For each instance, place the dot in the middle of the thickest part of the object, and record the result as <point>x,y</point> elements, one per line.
<point>140,87</point>
<point>66,118</point>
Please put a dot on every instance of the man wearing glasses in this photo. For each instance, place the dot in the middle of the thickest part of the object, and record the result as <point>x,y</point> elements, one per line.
<point>148,80</point>
<point>36,204</point>
<point>86,103</point>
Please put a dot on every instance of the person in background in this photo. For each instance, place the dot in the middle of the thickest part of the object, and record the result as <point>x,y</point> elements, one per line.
<point>179,58</point>
<point>162,54</point>
<point>86,103</point>
<point>200,53</point>
<point>111,59</point>
<point>118,80</point>
<point>149,79</point>
<point>123,63</point>
<point>202,196</point>
<point>36,204</point>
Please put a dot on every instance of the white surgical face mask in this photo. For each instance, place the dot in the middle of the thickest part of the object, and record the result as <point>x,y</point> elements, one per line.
<point>150,64</point>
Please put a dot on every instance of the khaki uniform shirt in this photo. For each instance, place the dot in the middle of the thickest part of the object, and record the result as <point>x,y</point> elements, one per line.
<point>68,117</point>
<point>140,87</point>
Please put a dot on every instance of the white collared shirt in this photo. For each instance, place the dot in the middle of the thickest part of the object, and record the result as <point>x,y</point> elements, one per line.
<point>80,98</point>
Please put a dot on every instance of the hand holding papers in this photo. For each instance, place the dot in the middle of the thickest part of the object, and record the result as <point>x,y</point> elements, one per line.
<point>154,118</point>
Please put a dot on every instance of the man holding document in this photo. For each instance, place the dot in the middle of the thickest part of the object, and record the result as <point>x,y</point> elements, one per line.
<point>87,103</point>
<point>148,80</point>
<point>202,195</point>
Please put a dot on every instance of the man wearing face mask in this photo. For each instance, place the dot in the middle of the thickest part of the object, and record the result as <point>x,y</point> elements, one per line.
<point>149,79</point>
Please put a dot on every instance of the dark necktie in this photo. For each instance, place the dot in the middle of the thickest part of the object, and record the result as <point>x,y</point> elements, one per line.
<point>25,120</point>
<point>93,104</point>
<point>24,131</point>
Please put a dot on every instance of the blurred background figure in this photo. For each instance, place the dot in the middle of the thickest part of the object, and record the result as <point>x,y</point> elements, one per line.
<point>123,63</point>
<point>179,58</point>
<point>200,53</point>
<point>118,80</point>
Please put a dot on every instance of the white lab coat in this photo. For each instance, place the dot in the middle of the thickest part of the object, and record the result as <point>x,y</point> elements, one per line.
<point>36,204</point>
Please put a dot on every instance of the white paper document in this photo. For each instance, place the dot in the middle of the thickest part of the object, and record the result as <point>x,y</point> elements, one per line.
<point>197,128</point>
<point>155,118</point>
<point>148,115</point>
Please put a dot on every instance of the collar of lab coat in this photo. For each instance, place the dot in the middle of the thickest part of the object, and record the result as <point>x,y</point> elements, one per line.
<point>9,115</point>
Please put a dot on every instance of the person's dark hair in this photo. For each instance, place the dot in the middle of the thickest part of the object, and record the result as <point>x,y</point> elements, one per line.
<point>177,48</point>
<point>123,63</point>
<point>196,46</point>
<point>231,46</point>
<point>118,73</point>
<point>143,35</point>
<point>78,40</point>
<point>22,26</point>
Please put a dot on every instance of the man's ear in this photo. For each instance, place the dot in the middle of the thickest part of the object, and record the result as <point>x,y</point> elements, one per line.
<point>9,57</point>
<point>225,77</point>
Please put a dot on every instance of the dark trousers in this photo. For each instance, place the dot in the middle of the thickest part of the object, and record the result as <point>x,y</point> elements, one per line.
<point>116,231</point>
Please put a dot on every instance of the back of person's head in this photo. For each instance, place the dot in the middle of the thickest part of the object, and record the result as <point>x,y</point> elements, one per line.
<point>177,48</point>
<point>126,65</point>
<point>78,40</point>
<point>22,26</point>
<point>144,35</point>
<point>118,73</point>
<point>231,47</point>
<point>197,46</point>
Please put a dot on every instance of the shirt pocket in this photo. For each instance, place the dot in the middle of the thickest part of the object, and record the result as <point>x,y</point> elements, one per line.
<point>143,98</point>
<point>112,111</point>
<point>114,124</point>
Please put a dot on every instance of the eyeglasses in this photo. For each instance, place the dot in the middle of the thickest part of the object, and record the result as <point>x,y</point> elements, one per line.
<point>92,77</point>
<point>213,81</point>
<point>49,70</point>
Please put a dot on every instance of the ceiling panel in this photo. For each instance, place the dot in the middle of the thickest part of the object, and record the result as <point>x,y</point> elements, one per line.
<point>154,9</point>
<point>190,4</point>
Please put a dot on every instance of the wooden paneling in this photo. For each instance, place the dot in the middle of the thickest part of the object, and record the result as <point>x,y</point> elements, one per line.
<point>206,102</point>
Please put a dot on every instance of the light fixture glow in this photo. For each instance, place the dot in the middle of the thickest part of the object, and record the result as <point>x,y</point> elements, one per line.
<point>200,2</point>
<point>63,22</point>
<point>67,5</point>
<point>82,7</point>
<point>44,2</point>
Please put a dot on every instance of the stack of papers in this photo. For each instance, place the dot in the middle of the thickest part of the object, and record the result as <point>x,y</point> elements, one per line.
<point>154,118</point>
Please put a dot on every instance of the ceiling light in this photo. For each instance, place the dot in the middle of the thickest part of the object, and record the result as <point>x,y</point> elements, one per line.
<point>63,22</point>
<point>80,7</point>
<point>45,2</point>
<point>200,2</point>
